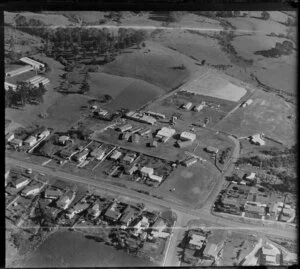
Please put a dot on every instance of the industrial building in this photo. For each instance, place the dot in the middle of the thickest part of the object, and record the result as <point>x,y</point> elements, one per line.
<point>155,115</point>
<point>187,136</point>
<point>123,128</point>
<point>8,85</point>
<point>19,71</point>
<point>165,133</point>
<point>189,161</point>
<point>36,80</point>
<point>140,117</point>
<point>33,63</point>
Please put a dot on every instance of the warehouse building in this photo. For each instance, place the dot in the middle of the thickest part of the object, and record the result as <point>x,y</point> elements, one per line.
<point>187,136</point>
<point>140,117</point>
<point>19,71</point>
<point>165,133</point>
<point>33,63</point>
<point>123,128</point>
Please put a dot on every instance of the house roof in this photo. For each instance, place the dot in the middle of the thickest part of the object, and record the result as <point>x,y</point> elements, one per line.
<point>188,135</point>
<point>147,170</point>
<point>112,214</point>
<point>197,240</point>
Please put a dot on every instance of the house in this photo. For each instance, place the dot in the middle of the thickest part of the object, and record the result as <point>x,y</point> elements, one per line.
<point>163,235</point>
<point>196,241</point>
<point>187,106</point>
<point>8,85</point>
<point>126,136</point>
<point>115,155</point>
<point>63,139</point>
<point>65,201</point>
<point>189,161</point>
<point>44,134</point>
<point>81,156</point>
<point>21,182</point>
<point>156,178</point>
<point>94,211</point>
<point>198,108</point>
<point>131,170</point>
<point>210,250</point>
<point>153,144</point>
<point>257,140</point>
<point>16,142</point>
<point>33,63</point>
<point>52,194</point>
<point>32,190</point>
<point>141,225</point>
<point>165,133</point>
<point>144,235</point>
<point>135,138</point>
<point>257,208</point>
<point>155,115</point>
<point>129,157</point>
<point>123,128</point>
<point>187,136</point>
<point>9,137</point>
<point>112,214</point>
<point>213,150</point>
<point>159,225</point>
<point>250,176</point>
<point>101,112</point>
<point>98,154</point>
<point>184,144</point>
<point>78,208</point>
<point>128,216</point>
<point>229,202</point>
<point>67,153</point>
<point>140,117</point>
<point>247,103</point>
<point>30,141</point>
<point>146,171</point>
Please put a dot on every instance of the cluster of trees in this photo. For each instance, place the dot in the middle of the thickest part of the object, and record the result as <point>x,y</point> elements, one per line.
<point>224,155</point>
<point>284,48</point>
<point>222,14</point>
<point>25,93</point>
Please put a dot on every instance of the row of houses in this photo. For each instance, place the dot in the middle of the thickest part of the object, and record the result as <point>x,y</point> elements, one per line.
<point>29,141</point>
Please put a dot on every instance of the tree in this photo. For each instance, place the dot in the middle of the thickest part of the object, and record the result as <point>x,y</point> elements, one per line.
<point>20,20</point>
<point>265,15</point>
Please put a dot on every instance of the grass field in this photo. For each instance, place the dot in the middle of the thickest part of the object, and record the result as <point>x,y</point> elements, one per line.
<point>191,184</point>
<point>267,114</point>
<point>155,67</point>
<point>121,88</point>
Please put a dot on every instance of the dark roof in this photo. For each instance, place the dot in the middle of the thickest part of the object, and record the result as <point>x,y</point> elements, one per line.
<point>112,214</point>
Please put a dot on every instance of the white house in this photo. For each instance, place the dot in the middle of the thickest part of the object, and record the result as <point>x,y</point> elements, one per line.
<point>147,171</point>
<point>30,141</point>
<point>185,136</point>
<point>156,178</point>
<point>21,182</point>
<point>44,134</point>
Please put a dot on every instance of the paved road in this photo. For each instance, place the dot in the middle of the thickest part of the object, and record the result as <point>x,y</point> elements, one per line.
<point>282,229</point>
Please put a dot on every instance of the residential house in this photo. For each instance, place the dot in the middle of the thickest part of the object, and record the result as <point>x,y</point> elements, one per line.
<point>155,178</point>
<point>52,194</point>
<point>250,176</point>
<point>32,190</point>
<point>126,135</point>
<point>128,216</point>
<point>159,225</point>
<point>78,208</point>
<point>129,157</point>
<point>196,241</point>
<point>210,250</point>
<point>81,156</point>
<point>62,140</point>
<point>198,108</point>
<point>131,170</point>
<point>257,140</point>
<point>98,154</point>
<point>9,137</point>
<point>67,153</point>
<point>44,134</point>
<point>115,155</point>
<point>65,201</point>
<point>153,144</point>
<point>112,214</point>
<point>163,235</point>
<point>30,141</point>
<point>95,211</point>
<point>155,115</point>
<point>141,226</point>
<point>187,106</point>
<point>253,207</point>
<point>135,138</point>
<point>16,142</point>
<point>21,182</point>
<point>146,171</point>
<point>187,136</point>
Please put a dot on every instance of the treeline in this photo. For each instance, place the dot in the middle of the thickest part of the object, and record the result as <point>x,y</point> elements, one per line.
<point>25,93</point>
<point>74,41</point>
<point>284,48</point>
